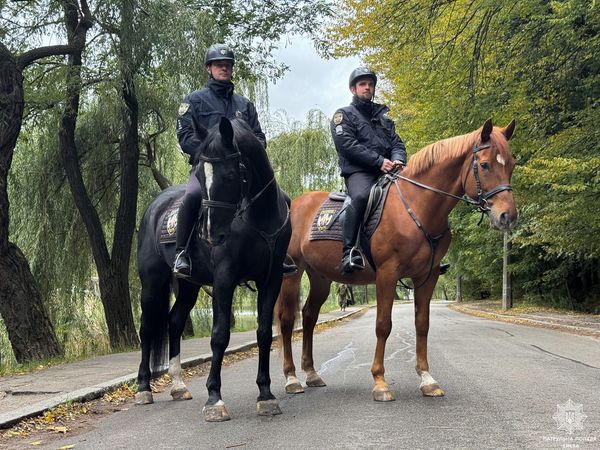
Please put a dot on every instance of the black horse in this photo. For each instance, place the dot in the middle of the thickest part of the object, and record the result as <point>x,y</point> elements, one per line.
<point>244,236</point>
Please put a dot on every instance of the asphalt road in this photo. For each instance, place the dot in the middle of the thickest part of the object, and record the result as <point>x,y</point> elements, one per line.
<point>503,382</point>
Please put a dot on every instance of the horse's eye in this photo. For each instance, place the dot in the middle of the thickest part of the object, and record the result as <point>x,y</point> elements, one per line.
<point>485,166</point>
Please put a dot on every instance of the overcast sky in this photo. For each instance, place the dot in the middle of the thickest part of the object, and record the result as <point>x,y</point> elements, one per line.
<point>311,82</point>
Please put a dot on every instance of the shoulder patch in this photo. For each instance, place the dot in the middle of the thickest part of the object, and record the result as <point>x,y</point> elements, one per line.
<point>183,108</point>
<point>338,117</point>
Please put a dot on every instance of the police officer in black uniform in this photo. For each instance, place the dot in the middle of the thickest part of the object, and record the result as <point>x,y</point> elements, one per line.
<point>205,108</point>
<point>367,145</point>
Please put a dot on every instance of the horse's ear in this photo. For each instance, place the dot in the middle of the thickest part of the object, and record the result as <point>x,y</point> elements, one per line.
<point>226,130</point>
<point>487,130</point>
<point>509,130</point>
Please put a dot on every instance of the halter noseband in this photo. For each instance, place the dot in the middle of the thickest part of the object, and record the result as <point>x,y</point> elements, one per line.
<point>482,197</point>
<point>206,203</point>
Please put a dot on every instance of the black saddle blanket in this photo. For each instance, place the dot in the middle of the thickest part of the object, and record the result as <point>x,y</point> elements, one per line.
<point>327,224</point>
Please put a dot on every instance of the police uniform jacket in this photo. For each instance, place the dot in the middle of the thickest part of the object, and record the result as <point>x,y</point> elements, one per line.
<point>364,136</point>
<point>206,107</point>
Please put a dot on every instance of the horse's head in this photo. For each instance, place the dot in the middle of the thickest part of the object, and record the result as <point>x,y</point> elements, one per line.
<point>219,173</point>
<point>489,173</point>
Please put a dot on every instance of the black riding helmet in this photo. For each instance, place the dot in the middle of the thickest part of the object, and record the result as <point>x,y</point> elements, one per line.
<point>361,72</point>
<point>218,52</point>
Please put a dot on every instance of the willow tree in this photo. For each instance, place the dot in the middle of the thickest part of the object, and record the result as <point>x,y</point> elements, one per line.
<point>26,320</point>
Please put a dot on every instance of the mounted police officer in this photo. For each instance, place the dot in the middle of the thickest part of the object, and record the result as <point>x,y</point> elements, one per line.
<point>205,108</point>
<point>367,145</point>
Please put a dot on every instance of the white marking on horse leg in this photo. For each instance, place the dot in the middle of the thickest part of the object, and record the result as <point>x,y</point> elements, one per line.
<point>175,372</point>
<point>500,159</point>
<point>291,379</point>
<point>426,379</point>
<point>208,181</point>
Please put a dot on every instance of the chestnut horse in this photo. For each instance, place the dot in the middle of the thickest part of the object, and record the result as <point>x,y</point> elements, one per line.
<point>410,241</point>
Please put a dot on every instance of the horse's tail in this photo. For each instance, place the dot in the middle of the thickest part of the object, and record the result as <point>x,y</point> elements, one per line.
<point>155,320</point>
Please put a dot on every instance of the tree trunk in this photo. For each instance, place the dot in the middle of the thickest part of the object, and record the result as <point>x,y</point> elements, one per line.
<point>113,272</point>
<point>29,328</point>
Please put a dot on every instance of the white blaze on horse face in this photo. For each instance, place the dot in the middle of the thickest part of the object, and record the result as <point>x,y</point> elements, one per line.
<point>208,181</point>
<point>500,159</point>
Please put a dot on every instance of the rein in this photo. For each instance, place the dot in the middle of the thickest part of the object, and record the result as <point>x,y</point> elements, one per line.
<point>481,203</point>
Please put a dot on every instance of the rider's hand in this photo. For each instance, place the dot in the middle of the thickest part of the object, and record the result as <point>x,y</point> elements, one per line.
<point>398,165</point>
<point>387,165</point>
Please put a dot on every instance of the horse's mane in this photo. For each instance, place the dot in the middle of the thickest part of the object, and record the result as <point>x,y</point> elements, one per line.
<point>448,149</point>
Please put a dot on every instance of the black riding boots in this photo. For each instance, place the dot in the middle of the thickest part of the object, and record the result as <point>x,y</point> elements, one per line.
<point>182,266</point>
<point>351,258</point>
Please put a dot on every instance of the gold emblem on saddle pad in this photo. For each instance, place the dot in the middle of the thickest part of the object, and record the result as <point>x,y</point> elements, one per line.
<point>324,219</point>
<point>172,222</point>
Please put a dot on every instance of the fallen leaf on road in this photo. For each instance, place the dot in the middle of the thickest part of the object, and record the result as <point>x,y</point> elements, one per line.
<point>66,447</point>
<point>59,429</point>
<point>36,443</point>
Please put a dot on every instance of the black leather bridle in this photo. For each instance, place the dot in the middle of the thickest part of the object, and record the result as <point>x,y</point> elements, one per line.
<point>481,203</point>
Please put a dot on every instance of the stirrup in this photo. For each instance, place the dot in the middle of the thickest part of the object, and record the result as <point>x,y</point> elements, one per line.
<point>176,270</point>
<point>356,253</point>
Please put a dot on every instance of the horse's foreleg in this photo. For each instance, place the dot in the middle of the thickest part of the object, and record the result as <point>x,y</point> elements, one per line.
<point>214,409</point>
<point>429,387</point>
<point>287,305</point>
<point>266,403</point>
<point>386,288</point>
<point>319,290</point>
<point>186,298</point>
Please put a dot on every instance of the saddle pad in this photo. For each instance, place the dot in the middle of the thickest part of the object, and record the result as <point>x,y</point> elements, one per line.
<point>328,226</point>
<point>168,227</point>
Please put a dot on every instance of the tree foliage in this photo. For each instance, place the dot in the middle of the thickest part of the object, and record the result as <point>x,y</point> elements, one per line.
<point>448,65</point>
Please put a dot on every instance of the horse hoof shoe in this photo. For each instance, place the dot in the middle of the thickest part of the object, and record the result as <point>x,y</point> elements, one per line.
<point>268,408</point>
<point>432,390</point>
<point>215,413</point>
<point>181,394</point>
<point>143,398</point>
<point>294,388</point>
<point>383,396</point>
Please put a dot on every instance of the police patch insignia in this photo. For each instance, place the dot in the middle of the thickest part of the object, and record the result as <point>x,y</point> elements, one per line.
<point>183,108</point>
<point>325,217</point>
<point>338,117</point>
<point>238,114</point>
<point>339,130</point>
<point>172,222</point>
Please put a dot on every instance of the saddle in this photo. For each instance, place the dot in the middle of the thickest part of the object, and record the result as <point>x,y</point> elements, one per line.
<point>328,222</point>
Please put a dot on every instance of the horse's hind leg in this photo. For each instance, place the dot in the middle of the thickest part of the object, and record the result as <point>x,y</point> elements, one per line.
<point>429,387</point>
<point>266,403</point>
<point>186,298</point>
<point>155,306</point>
<point>319,290</point>
<point>287,305</point>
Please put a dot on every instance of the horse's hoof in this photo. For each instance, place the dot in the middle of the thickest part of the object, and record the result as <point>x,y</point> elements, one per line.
<point>216,412</point>
<point>143,398</point>
<point>294,388</point>
<point>181,394</point>
<point>383,396</point>
<point>268,408</point>
<point>432,390</point>
<point>314,380</point>
<point>293,385</point>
